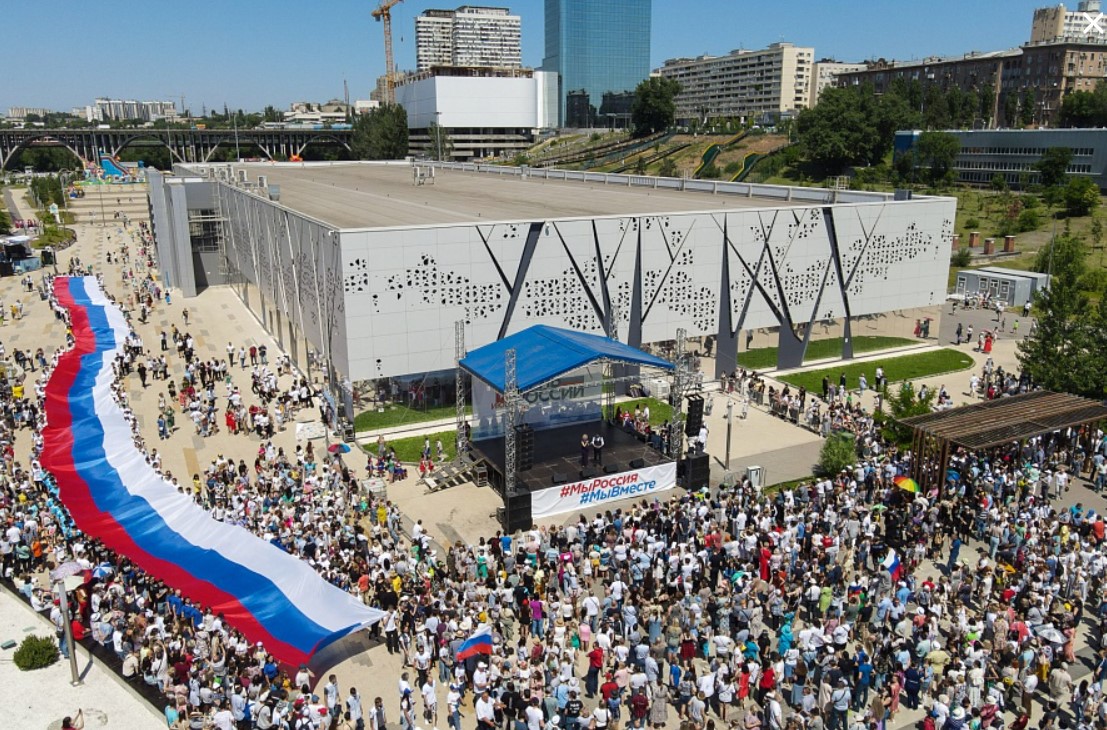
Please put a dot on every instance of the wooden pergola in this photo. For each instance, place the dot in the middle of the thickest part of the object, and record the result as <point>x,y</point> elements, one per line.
<point>990,424</point>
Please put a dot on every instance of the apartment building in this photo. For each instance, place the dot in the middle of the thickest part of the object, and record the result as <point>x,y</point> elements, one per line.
<point>1058,23</point>
<point>766,85</point>
<point>468,36</point>
<point>826,73</point>
<point>121,109</point>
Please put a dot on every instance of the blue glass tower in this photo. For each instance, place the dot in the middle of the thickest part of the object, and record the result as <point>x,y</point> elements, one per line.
<point>596,46</point>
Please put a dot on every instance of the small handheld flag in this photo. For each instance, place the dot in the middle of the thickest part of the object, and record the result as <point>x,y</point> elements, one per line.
<point>892,565</point>
<point>479,642</point>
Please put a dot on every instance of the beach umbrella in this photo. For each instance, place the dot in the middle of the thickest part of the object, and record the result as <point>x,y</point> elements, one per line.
<point>103,570</point>
<point>1050,634</point>
<point>907,484</point>
<point>879,507</point>
<point>339,448</point>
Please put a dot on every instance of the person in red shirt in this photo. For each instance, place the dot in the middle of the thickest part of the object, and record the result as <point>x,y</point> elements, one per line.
<point>608,688</point>
<point>766,683</point>
<point>592,679</point>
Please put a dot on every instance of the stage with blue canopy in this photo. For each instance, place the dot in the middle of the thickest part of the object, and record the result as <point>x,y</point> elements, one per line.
<point>562,381</point>
<point>544,353</point>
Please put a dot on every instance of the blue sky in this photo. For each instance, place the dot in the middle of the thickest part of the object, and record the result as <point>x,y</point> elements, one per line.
<point>249,53</point>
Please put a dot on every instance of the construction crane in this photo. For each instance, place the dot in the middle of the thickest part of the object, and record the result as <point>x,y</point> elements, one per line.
<point>383,13</point>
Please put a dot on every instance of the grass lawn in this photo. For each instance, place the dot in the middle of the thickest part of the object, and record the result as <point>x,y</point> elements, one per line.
<point>660,411</point>
<point>787,486</point>
<point>764,358</point>
<point>410,449</point>
<point>896,369</point>
<point>402,415</point>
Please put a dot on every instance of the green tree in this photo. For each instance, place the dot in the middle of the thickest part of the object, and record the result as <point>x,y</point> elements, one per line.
<point>1085,108</point>
<point>1026,107</point>
<point>381,134</point>
<point>839,452</point>
<point>654,106</point>
<point>987,103</point>
<point>936,152</point>
<point>903,403</point>
<point>711,172</point>
<point>1053,166</point>
<point>640,165</point>
<point>1064,351</point>
<point>441,146</point>
<point>852,126</point>
<point>1081,196</point>
<point>999,182</point>
<point>1010,109</point>
<point>936,109</point>
<point>668,168</point>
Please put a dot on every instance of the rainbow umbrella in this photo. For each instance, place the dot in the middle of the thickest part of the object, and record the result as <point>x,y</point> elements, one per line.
<point>907,484</point>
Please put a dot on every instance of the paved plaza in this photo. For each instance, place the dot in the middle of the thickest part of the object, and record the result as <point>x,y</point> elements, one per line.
<point>217,318</point>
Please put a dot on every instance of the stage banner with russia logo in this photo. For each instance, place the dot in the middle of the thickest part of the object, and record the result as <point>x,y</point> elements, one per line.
<point>592,493</point>
<point>574,397</point>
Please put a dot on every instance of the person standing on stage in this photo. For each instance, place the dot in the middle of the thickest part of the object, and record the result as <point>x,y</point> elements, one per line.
<point>597,449</point>
<point>584,443</point>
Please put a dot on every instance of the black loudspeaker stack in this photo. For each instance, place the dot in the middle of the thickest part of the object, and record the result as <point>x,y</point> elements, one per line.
<point>610,468</point>
<point>694,419</point>
<point>638,464</point>
<point>588,473</point>
<point>515,514</point>
<point>524,448</point>
<point>696,472</point>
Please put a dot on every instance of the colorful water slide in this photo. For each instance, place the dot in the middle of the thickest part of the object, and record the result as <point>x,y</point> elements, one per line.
<point>114,495</point>
<point>713,151</point>
<point>112,167</point>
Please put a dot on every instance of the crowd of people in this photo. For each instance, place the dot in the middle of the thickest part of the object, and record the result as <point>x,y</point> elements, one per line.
<point>842,603</point>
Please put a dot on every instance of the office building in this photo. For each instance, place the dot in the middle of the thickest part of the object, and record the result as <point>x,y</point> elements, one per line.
<point>826,74</point>
<point>468,36</point>
<point>596,46</point>
<point>1058,23</point>
<point>1014,153</point>
<point>373,270</point>
<point>483,112</point>
<point>763,85</point>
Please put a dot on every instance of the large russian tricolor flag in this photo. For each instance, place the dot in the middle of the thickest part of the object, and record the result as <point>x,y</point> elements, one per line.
<point>114,495</point>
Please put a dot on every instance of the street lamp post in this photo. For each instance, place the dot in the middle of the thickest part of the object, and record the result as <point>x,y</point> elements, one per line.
<point>729,421</point>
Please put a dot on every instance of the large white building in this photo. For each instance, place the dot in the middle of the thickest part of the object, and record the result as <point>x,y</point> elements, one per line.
<point>768,84</point>
<point>468,36</point>
<point>826,75</point>
<point>484,112</point>
<point>363,265</point>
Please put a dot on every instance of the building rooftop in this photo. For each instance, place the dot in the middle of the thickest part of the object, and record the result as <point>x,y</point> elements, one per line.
<point>383,195</point>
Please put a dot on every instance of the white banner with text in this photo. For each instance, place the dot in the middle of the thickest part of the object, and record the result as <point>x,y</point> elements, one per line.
<point>640,484</point>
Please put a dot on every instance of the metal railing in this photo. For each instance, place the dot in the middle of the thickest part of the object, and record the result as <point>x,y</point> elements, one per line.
<point>782,193</point>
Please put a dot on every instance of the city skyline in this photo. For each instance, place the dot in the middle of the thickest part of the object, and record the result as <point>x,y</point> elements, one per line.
<point>250,54</point>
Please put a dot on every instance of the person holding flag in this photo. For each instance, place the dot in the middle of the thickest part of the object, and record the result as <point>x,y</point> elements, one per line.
<point>478,643</point>
<point>892,565</point>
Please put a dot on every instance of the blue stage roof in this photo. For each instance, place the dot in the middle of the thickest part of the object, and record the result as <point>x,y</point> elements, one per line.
<point>543,353</point>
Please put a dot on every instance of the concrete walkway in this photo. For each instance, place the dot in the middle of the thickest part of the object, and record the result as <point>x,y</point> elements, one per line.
<point>41,698</point>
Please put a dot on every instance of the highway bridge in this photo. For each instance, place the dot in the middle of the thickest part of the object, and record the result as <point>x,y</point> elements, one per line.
<point>185,145</point>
